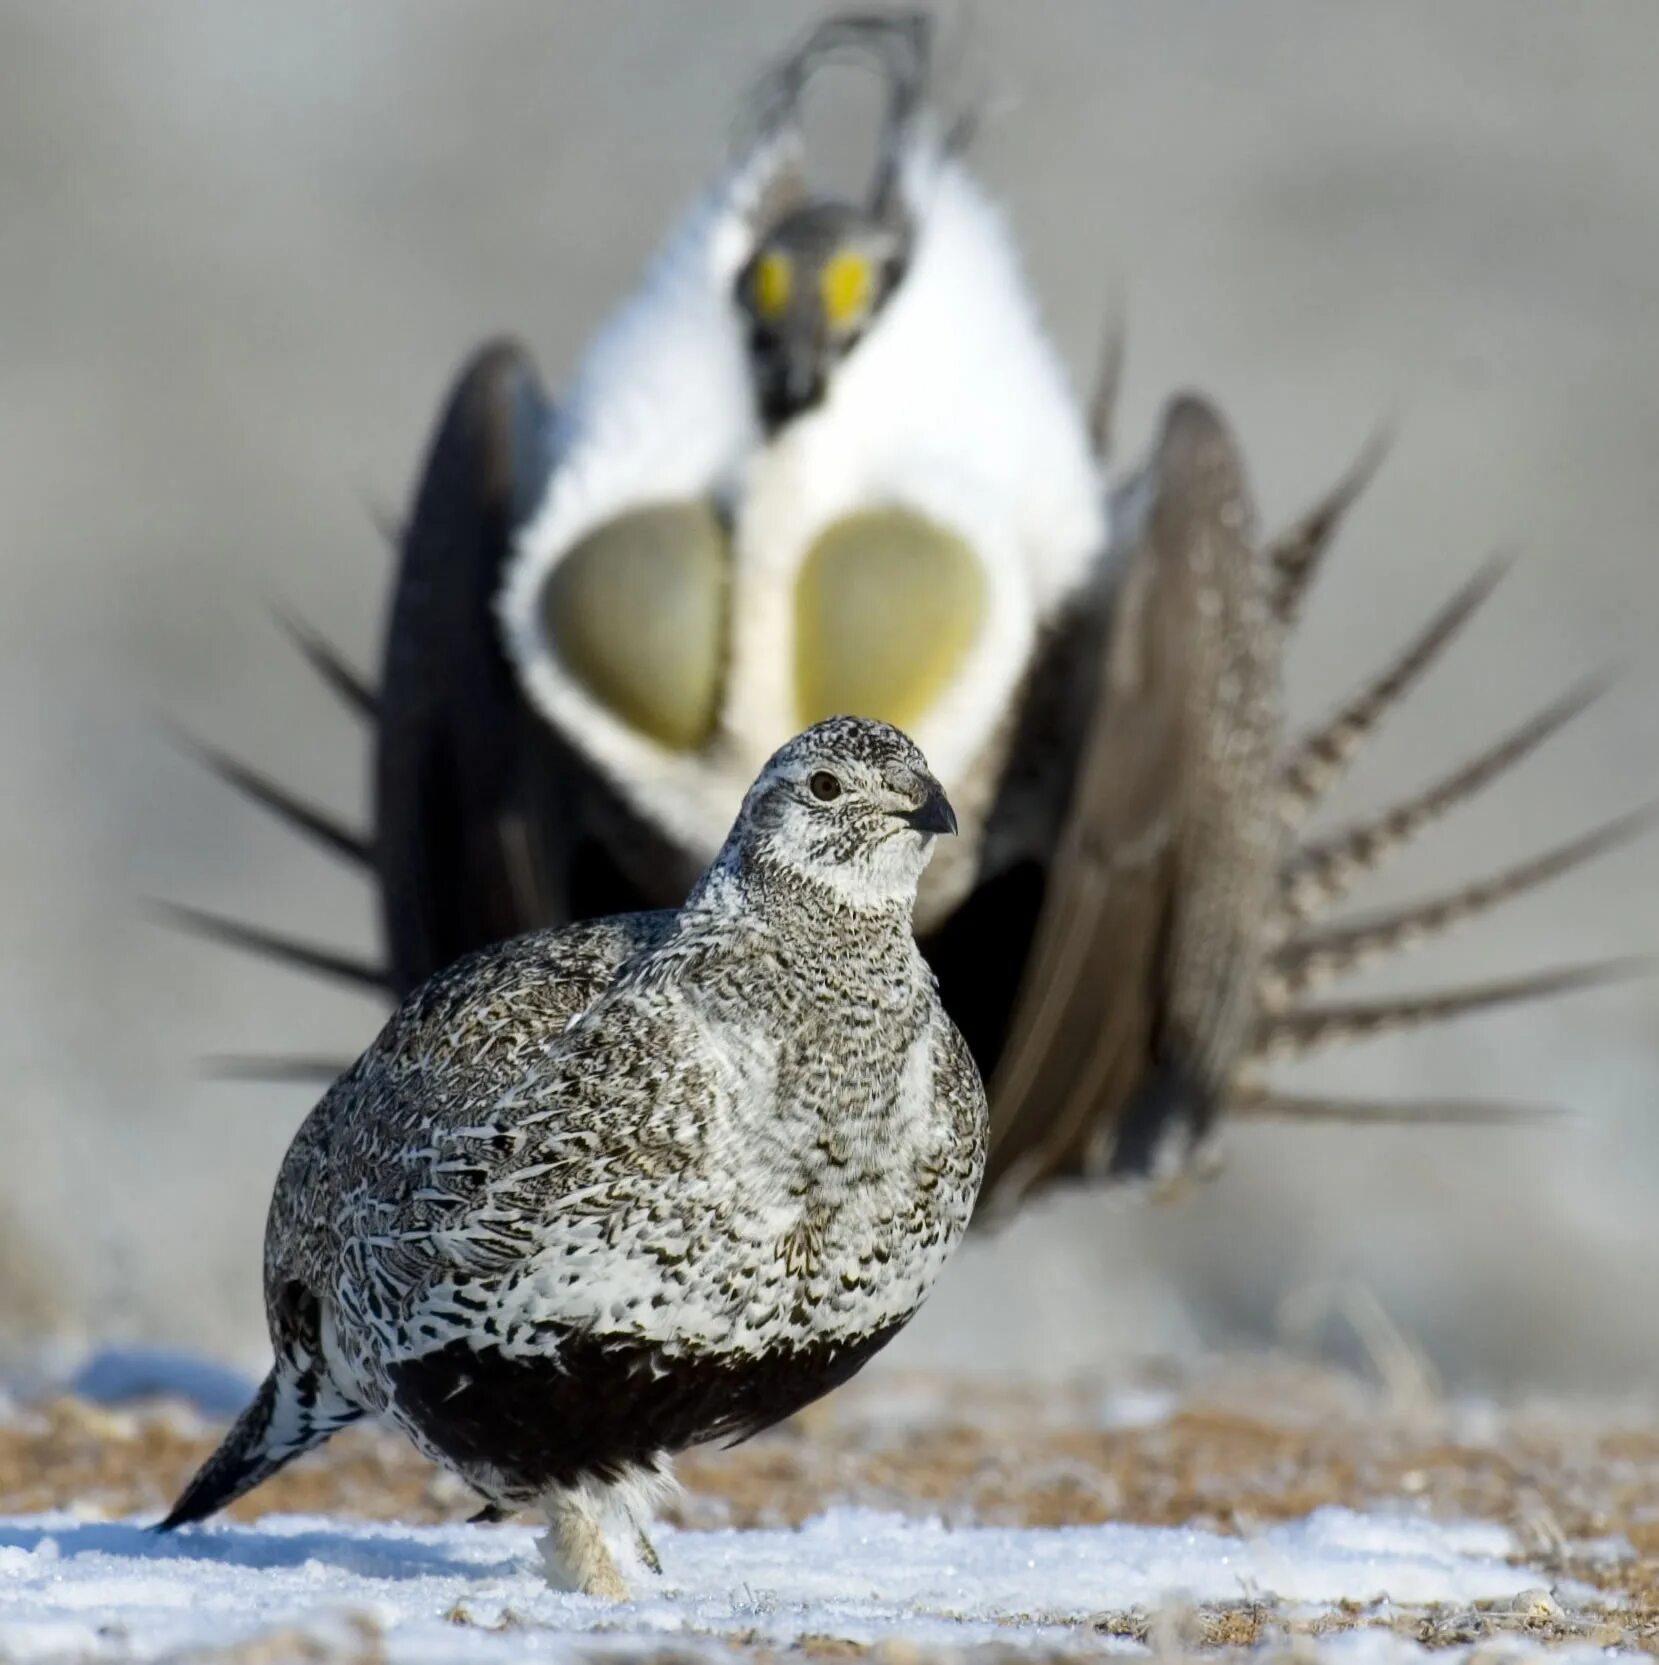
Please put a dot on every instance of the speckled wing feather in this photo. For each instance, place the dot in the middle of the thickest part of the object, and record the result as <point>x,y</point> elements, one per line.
<point>478,1028</point>
<point>1139,986</point>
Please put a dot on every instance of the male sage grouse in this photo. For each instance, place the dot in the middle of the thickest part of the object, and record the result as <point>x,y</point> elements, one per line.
<point>604,1192</point>
<point>826,459</point>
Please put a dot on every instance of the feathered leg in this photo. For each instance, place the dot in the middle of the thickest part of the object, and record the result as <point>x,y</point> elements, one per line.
<point>574,1550</point>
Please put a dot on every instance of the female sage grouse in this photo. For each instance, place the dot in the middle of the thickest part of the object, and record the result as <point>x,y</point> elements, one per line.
<point>606,1192</point>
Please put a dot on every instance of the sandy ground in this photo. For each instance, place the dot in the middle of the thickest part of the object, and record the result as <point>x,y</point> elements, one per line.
<point>244,248</point>
<point>1235,1449</point>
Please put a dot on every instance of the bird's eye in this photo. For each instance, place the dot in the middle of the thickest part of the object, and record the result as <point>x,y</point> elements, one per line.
<point>825,787</point>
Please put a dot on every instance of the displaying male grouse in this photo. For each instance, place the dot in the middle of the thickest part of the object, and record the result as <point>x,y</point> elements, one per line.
<point>825,458</point>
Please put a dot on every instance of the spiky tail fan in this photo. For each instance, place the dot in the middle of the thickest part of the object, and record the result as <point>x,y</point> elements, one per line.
<point>285,1420</point>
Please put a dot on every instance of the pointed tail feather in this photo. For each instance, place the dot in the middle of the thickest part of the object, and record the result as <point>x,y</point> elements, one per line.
<point>1294,1034</point>
<point>1294,557</point>
<point>1268,1106</point>
<point>391,528</point>
<point>306,819</point>
<point>1319,760</point>
<point>287,1418</point>
<point>289,951</point>
<point>351,689</point>
<point>1318,875</point>
<point>1108,382</point>
<point>275,1068</point>
<point>1323,955</point>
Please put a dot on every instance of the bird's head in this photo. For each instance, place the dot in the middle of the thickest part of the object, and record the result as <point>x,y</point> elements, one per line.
<point>849,806</point>
<point>819,271</point>
<point>813,286</point>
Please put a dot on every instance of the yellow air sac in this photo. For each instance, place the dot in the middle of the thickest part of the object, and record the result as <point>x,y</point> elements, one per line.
<point>886,610</point>
<point>637,614</point>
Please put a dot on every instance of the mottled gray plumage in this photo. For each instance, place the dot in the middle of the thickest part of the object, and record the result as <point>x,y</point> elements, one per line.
<point>608,1191</point>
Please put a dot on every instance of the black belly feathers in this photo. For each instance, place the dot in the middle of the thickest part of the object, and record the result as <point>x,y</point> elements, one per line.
<point>594,1409</point>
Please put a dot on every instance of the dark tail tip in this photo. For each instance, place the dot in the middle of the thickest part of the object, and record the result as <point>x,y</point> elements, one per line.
<point>243,1459</point>
<point>193,1506</point>
<point>212,1488</point>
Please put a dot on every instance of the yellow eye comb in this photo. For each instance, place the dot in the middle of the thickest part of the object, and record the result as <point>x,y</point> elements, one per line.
<point>845,286</point>
<point>774,279</point>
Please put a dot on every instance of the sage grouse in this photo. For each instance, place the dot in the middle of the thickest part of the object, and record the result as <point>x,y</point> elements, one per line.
<point>826,459</point>
<point>606,1192</point>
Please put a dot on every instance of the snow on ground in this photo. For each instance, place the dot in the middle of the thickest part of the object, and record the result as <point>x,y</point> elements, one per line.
<point>72,1589</point>
<point>136,1375</point>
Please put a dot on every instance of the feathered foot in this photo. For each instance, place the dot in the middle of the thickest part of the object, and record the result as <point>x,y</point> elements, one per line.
<point>574,1550</point>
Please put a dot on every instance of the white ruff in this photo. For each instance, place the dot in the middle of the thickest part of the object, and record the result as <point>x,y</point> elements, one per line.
<point>954,404</point>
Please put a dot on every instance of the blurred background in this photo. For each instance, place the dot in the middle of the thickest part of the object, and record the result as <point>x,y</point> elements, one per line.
<point>242,250</point>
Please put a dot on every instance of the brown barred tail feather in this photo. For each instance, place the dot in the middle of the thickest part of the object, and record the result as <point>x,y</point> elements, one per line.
<point>1268,1105</point>
<point>1325,954</point>
<point>1295,1033</point>
<point>1318,760</point>
<point>1294,556</point>
<point>1319,874</point>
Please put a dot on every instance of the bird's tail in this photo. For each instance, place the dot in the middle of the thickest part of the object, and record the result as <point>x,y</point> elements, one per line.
<point>288,1417</point>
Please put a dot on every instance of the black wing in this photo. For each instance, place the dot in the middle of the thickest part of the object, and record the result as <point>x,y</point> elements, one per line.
<point>475,799</point>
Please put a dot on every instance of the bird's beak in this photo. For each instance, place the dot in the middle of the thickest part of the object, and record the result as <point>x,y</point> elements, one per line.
<point>794,381</point>
<point>933,814</point>
<point>802,384</point>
